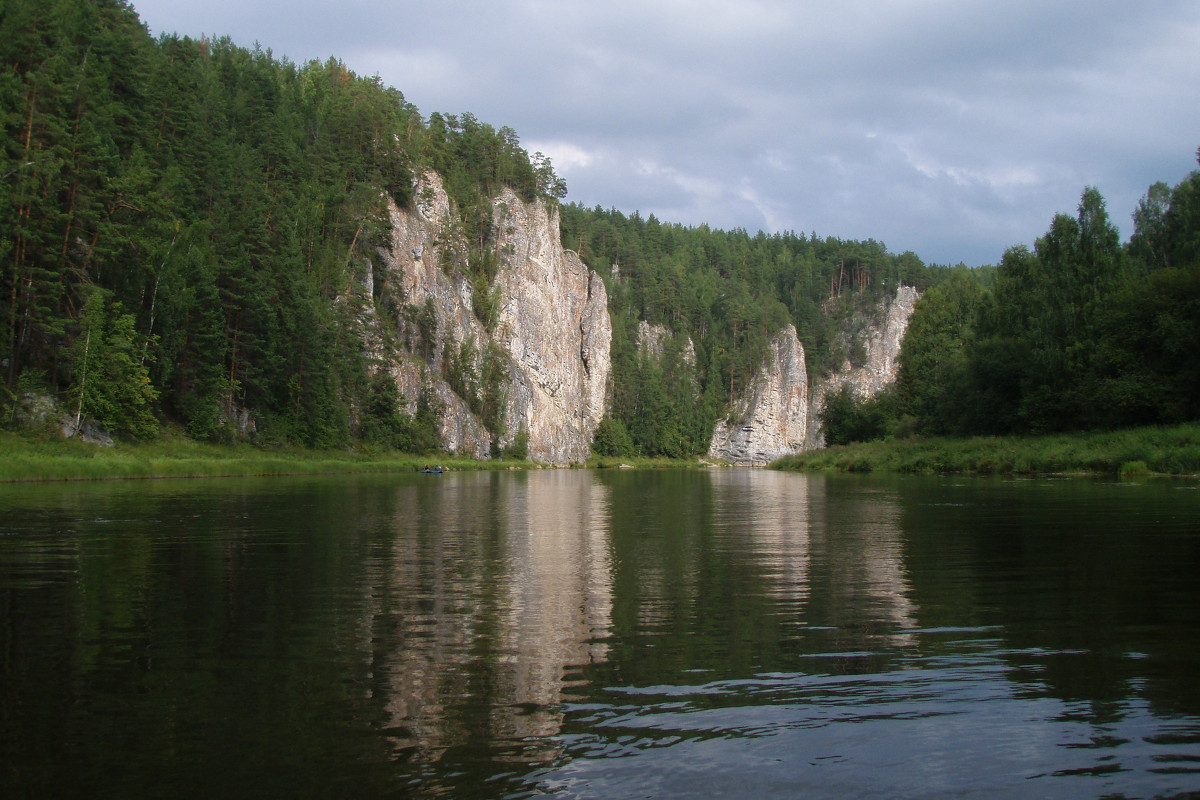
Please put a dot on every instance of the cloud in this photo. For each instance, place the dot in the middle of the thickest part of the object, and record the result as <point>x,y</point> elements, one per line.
<point>954,130</point>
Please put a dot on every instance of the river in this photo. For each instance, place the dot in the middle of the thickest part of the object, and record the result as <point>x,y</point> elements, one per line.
<point>601,634</point>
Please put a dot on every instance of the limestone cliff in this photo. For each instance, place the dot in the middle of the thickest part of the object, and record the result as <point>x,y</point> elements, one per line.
<point>779,413</point>
<point>770,419</point>
<point>881,333</point>
<point>422,241</point>
<point>554,324</point>
<point>552,328</point>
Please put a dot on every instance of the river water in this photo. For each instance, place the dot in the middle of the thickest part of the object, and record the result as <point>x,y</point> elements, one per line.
<point>614,634</point>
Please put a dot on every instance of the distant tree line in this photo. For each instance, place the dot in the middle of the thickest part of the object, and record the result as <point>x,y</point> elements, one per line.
<point>729,292</point>
<point>1079,333</point>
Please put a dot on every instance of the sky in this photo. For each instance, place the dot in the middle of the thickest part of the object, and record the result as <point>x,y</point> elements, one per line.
<point>948,128</point>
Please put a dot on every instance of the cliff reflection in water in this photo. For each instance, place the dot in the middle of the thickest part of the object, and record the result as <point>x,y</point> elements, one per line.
<point>484,634</point>
<point>727,571</point>
<point>828,563</point>
<point>774,511</point>
<point>499,587</point>
<point>864,582</point>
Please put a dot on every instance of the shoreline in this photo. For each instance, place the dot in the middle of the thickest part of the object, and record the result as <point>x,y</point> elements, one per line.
<point>1171,451</point>
<point>1167,450</point>
<point>28,458</point>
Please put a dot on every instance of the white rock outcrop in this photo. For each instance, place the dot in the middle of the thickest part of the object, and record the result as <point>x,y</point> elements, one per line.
<point>779,414</point>
<point>882,338</point>
<point>553,326</point>
<point>770,419</point>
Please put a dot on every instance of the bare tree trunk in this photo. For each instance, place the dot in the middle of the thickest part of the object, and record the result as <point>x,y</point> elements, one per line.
<point>82,382</point>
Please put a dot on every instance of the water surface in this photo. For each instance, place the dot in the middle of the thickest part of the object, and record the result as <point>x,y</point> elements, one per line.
<point>734,633</point>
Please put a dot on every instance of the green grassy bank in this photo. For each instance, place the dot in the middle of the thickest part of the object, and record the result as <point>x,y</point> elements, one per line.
<point>641,462</point>
<point>28,458</point>
<point>33,456</point>
<point>1163,450</point>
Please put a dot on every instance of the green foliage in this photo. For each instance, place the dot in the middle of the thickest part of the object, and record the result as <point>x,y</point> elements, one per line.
<point>480,378</point>
<point>382,422</point>
<point>518,449</point>
<point>1131,469</point>
<point>419,432</point>
<point>225,201</point>
<point>111,384</point>
<point>846,418</point>
<point>27,456</point>
<point>1141,364</point>
<point>1173,450</point>
<point>1078,334</point>
<point>933,363</point>
<point>612,439</point>
<point>493,391</point>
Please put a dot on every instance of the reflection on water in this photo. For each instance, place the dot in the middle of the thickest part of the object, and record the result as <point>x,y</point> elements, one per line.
<point>862,542</point>
<point>558,604</point>
<point>515,571</point>
<point>600,634</point>
<point>772,514</point>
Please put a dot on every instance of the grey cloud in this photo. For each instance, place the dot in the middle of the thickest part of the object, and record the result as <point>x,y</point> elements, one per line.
<point>951,129</point>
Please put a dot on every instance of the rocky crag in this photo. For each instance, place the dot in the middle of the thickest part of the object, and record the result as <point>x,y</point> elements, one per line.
<point>653,341</point>
<point>881,334</point>
<point>779,413</point>
<point>551,328</point>
<point>770,419</point>
<point>554,323</point>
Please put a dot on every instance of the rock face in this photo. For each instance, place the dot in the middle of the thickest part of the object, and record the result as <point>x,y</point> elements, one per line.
<point>882,338</point>
<point>779,413</point>
<point>554,324</point>
<point>552,327</point>
<point>882,344</point>
<point>421,241</point>
<point>653,339</point>
<point>770,420</point>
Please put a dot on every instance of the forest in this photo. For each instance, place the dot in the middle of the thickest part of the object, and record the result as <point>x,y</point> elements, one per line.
<point>1079,333</point>
<point>721,296</point>
<point>183,224</point>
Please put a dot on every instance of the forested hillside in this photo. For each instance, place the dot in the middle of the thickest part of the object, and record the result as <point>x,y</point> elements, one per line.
<point>1079,333</point>
<point>728,292</point>
<point>181,221</point>
<point>185,226</point>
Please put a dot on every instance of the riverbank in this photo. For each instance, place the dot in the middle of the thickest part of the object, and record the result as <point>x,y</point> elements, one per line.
<point>1168,451</point>
<point>27,458</point>
<point>641,462</point>
<point>1160,450</point>
<point>36,457</point>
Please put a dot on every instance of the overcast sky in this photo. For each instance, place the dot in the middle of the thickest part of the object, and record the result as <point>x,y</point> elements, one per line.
<point>949,128</point>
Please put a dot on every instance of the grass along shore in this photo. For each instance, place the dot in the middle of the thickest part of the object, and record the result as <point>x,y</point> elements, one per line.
<point>26,456</point>
<point>33,458</point>
<point>38,456</point>
<point>1171,450</point>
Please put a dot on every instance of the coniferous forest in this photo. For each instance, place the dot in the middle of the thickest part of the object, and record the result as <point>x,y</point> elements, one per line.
<point>1081,333</point>
<point>182,220</point>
